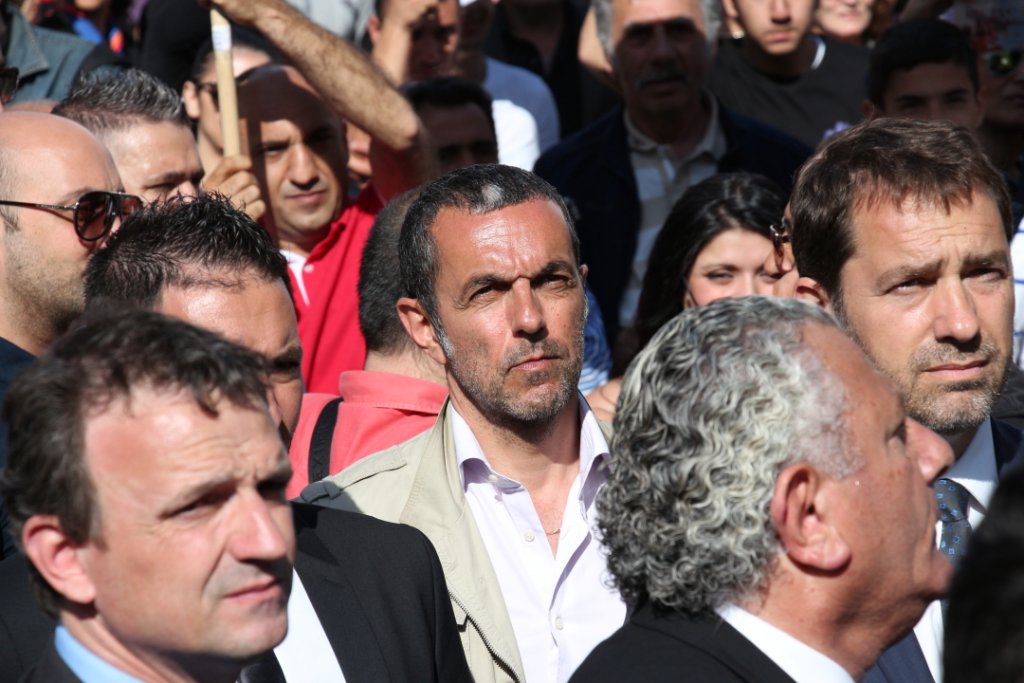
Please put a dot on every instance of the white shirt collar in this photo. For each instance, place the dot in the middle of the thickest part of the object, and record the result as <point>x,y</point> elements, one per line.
<point>801,662</point>
<point>593,455</point>
<point>975,470</point>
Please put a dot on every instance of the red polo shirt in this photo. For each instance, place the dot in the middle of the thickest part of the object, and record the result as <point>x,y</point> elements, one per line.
<point>329,322</point>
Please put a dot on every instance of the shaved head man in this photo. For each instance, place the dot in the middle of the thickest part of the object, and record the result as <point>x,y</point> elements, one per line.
<point>58,204</point>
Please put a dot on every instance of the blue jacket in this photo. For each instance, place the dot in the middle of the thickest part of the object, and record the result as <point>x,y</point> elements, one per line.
<point>592,170</point>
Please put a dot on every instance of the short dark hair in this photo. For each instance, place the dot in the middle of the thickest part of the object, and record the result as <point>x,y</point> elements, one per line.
<point>379,289</point>
<point>478,189</point>
<point>449,92</point>
<point>912,43</point>
<point>883,161</point>
<point>185,243</point>
<point>985,618</point>
<point>102,360</point>
<point>712,206</point>
<point>107,100</point>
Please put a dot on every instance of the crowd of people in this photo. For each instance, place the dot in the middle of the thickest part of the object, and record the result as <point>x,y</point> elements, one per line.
<point>523,341</point>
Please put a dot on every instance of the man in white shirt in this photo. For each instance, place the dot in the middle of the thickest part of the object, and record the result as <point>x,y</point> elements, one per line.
<point>909,250</point>
<point>504,484</point>
<point>769,509</point>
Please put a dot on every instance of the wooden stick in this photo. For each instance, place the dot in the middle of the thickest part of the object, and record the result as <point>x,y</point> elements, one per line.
<point>227,96</point>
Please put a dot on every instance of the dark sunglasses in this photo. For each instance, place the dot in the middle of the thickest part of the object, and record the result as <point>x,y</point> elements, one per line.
<point>94,212</point>
<point>8,83</point>
<point>1004,62</point>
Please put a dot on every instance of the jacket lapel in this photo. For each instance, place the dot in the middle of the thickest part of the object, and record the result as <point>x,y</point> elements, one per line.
<point>437,506</point>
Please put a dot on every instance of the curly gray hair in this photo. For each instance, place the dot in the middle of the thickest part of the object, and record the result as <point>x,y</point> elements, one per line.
<point>721,400</point>
<point>710,9</point>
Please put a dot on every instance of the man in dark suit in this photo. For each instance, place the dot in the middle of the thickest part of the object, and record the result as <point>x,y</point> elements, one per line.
<point>901,229</point>
<point>157,531</point>
<point>623,173</point>
<point>769,513</point>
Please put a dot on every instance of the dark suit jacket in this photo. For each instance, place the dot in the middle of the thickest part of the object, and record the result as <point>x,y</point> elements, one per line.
<point>656,647</point>
<point>49,669</point>
<point>904,662</point>
<point>592,169</point>
<point>377,588</point>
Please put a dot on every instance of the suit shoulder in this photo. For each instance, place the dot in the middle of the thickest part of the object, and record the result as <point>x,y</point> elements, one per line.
<point>742,129</point>
<point>578,148</point>
<point>353,524</point>
<point>637,653</point>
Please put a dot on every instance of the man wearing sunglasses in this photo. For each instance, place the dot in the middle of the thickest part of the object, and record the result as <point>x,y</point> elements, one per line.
<point>59,201</point>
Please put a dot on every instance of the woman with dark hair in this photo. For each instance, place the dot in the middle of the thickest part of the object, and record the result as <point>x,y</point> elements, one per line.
<point>713,245</point>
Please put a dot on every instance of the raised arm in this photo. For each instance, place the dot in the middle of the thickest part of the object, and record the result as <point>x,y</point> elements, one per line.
<point>349,82</point>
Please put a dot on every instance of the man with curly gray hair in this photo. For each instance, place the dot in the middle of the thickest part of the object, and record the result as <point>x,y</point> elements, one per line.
<point>769,511</point>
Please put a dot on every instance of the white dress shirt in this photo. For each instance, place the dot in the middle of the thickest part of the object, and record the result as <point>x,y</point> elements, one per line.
<point>305,654</point>
<point>976,471</point>
<point>800,661</point>
<point>560,605</point>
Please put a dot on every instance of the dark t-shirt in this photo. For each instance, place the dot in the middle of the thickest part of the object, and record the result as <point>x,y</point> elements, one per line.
<point>806,107</point>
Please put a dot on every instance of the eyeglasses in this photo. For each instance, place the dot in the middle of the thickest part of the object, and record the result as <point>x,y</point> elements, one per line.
<point>780,238</point>
<point>1004,62</point>
<point>94,212</point>
<point>8,83</point>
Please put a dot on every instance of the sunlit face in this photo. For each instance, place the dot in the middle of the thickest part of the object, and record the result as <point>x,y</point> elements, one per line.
<point>299,156</point>
<point>201,102</point>
<point>56,161</point>
<point>462,136</point>
<point>257,314</point>
<point>929,296</point>
<point>777,27</point>
<point>887,510</point>
<point>434,41</point>
<point>933,92</point>
<point>512,305</point>
<point>195,543</point>
<point>843,19</point>
<point>732,264</point>
<point>157,161</point>
<point>660,54</point>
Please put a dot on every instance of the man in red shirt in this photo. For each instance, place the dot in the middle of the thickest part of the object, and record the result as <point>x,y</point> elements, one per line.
<point>293,126</point>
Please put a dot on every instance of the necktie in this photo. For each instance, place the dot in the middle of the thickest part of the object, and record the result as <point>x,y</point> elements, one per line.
<point>956,530</point>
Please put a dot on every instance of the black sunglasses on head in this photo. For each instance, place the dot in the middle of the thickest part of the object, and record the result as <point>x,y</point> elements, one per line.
<point>8,83</point>
<point>94,212</point>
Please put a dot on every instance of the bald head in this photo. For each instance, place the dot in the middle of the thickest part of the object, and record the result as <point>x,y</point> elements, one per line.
<point>38,151</point>
<point>299,154</point>
<point>45,159</point>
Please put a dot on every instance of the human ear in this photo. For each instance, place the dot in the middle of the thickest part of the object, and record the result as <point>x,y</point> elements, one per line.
<point>417,323</point>
<point>808,289</point>
<point>800,511</point>
<point>57,558</point>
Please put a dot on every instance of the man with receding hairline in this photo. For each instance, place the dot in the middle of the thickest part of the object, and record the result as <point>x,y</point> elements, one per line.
<point>292,122</point>
<point>47,160</point>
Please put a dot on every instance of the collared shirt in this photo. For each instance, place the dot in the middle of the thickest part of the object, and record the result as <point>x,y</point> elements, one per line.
<point>975,470</point>
<point>306,654</point>
<point>84,663</point>
<point>560,605</point>
<point>378,410</point>
<point>326,300</point>
<point>661,179</point>
<point>800,661</point>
